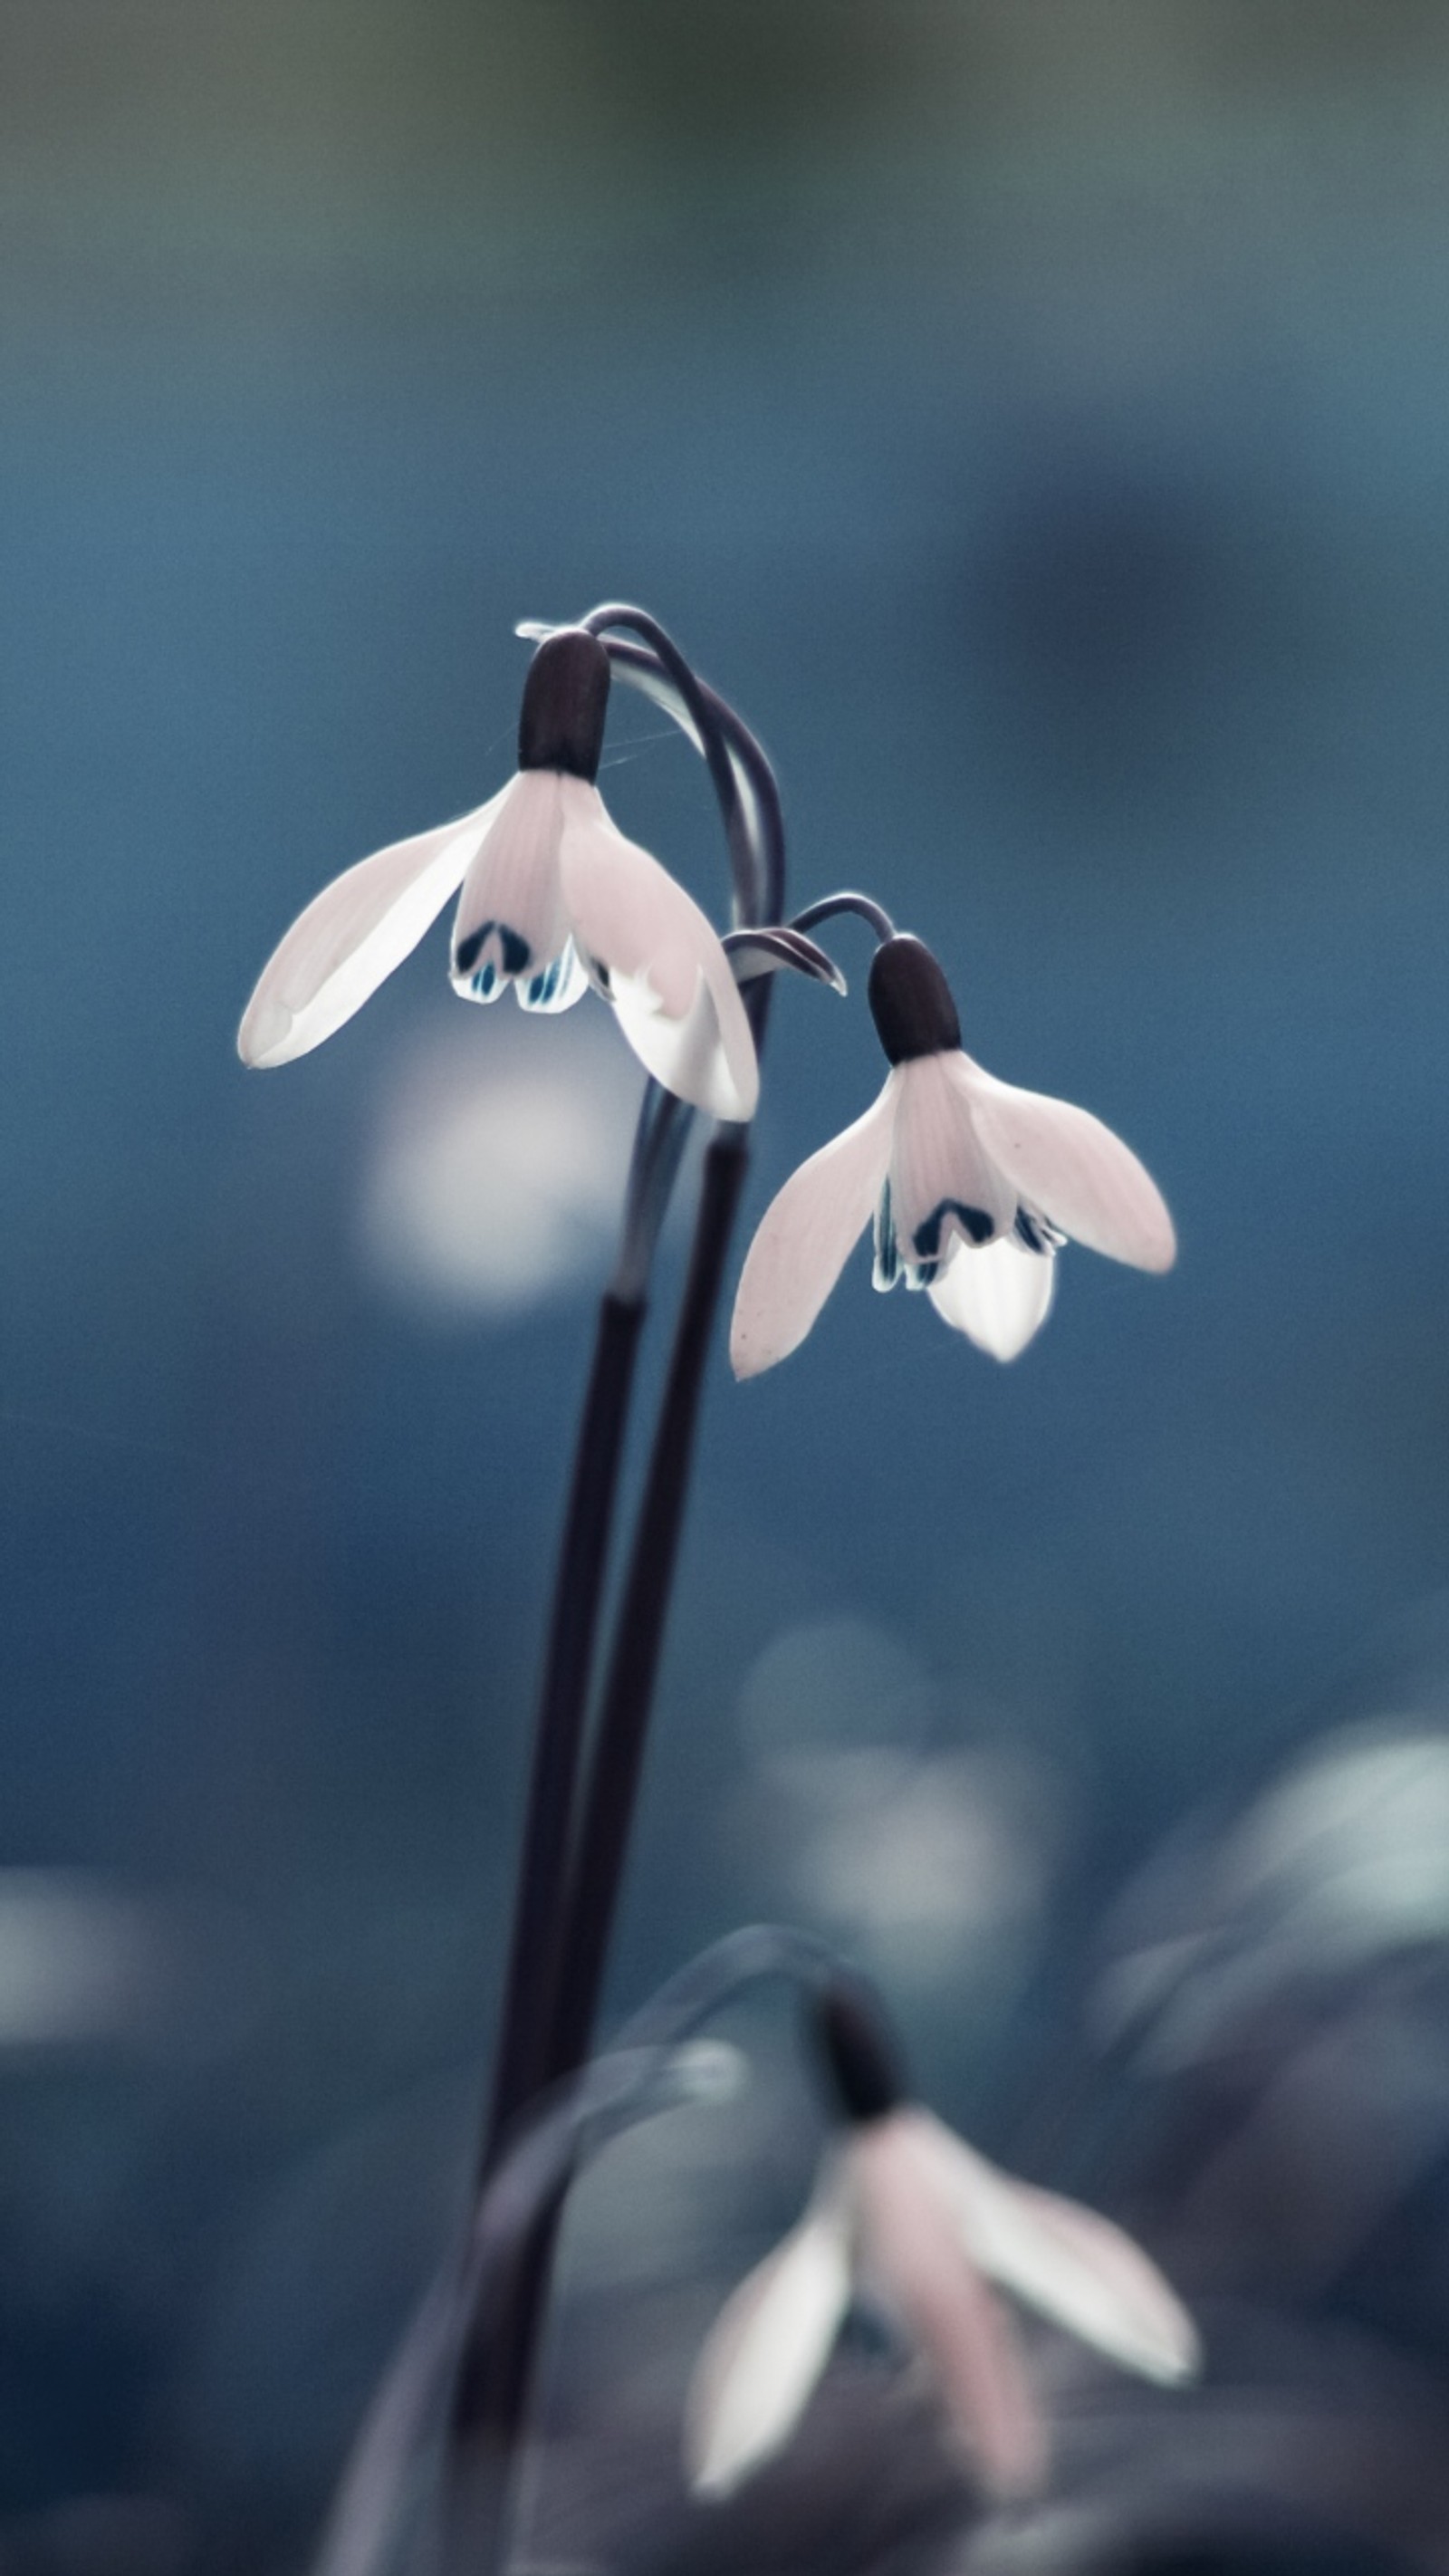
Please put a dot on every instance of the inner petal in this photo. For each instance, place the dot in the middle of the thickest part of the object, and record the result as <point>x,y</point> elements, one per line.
<point>944,1187</point>
<point>510,920</point>
<point>998,1297</point>
<point>556,986</point>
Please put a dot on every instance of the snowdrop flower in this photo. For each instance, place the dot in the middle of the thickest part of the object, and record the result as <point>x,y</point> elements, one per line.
<point>974,1184</point>
<point>553,898</point>
<point>907,2210</point>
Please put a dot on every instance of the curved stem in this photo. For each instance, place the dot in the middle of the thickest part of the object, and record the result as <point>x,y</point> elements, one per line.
<point>753,764</point>
<point>831,906</point>
<point>713,1978</point>
<point>757,843</point>
<point>704,722</point>
<point>657,667</point>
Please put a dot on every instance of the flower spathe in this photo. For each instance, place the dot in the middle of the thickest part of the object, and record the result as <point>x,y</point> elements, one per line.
<point>551,898</point>
<point>909,2212</point>
<point>974,1186</point>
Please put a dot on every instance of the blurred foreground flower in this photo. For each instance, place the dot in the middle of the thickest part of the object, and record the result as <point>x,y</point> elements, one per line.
<point>974,1185</point>
<point>553,898</point>
<point>910,2211</point>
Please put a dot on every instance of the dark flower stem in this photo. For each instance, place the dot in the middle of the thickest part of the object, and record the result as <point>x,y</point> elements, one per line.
<point>519,2066</point>
<point>617,1761</point>
<point>560,1940</point>
<point>496,2379</point>
<point>500,2269</point>
<point>558,1727</point>
<point>522,2055</point>
<point>750,805</point>
<point>559,1959</point>
<point>725,742</point>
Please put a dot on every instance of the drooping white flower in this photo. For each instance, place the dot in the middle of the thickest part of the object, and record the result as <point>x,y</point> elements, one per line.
<point>974,1185</point>
<point>553,898</point>
<point>908,2212</point>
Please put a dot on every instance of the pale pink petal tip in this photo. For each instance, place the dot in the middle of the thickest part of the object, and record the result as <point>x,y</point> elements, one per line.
<point>915,2255</point>
<point>1091,2278</point>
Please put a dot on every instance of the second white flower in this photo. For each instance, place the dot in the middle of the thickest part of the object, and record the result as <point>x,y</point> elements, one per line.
<point>974,1186</point>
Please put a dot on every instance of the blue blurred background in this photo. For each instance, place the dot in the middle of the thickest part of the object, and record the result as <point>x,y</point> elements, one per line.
<point>1032,416</point>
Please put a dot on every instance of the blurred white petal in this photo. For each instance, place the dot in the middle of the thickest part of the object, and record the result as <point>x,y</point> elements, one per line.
<point>998,1296</point>
<point>767,2349</point>
<point>1353,1845</point>
<point>805,1235</point>
<point>350,938</point>
<point>1065,2261</point>
<point>915,2253</point>
<point>1065,1162</point>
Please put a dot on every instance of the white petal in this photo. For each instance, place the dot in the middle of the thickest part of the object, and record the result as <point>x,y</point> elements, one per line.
<point>350,938</point>
<point>666,972</point>
<point>556,986</point>
<point>805,1235</point>
<point>1073,1168</point>
<point>767,2349</point>
<point>511,919</point>
<point>998,1296</point>
<point>944,1187</point>
<point>1065,2261</point>
<point>913,2249</point>
<point>683,1054</point>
